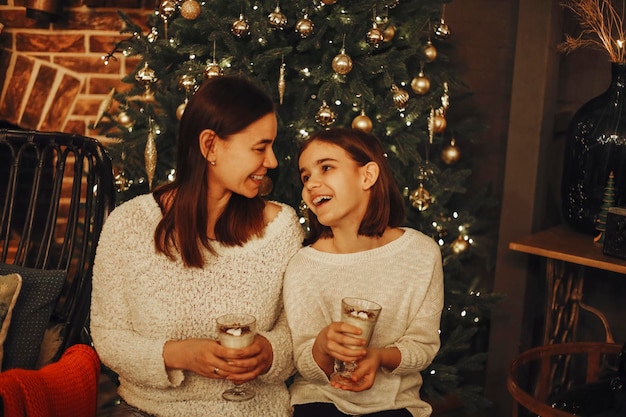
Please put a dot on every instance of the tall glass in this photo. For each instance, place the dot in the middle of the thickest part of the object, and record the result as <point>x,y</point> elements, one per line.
<point>237,331</point>
<point>363,314</point>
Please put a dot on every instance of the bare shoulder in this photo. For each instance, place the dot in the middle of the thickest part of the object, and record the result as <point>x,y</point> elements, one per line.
<point>270,211</point>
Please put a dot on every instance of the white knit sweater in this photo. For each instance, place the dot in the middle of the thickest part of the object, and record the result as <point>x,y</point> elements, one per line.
<point>405,276</point>
<point>142,299</point>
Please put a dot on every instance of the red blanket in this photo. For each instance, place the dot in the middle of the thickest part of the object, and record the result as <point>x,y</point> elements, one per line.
<point>66,388</point>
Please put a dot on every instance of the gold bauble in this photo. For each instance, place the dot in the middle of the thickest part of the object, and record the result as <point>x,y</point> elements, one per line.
<point>420,84</point>
<point>277,19</point>
<point>439,123</point>
<point>190,9</point>
<point>187,82</point>
<point>430,52</point>
<point>305,26</point>
<point>125,120</point>
<point>240,27</point>
<point>451,154</point>
<point>389,32</point>
<point>150,157</point>
<point>442,30</point>
<point>400,97</point>
<point>374,36</point>
<point>420,198</point>
<point>325,116</point>
<point>342,63</point>
<point>459,245</point>
<point>181,109</point>
<point>362,122</point>
<point>167,9</point>
<point>213,70</point>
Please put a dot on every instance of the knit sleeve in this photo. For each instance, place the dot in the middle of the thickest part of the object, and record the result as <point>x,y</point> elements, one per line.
<point>421,341</point>
<point>137,357</point>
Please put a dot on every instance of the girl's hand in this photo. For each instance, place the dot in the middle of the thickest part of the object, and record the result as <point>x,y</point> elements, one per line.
<point>332,343</point>
<point>365,374</point>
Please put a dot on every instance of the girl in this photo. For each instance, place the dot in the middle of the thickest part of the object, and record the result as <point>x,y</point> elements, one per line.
<point>357,249</point>
<point>169,263</point>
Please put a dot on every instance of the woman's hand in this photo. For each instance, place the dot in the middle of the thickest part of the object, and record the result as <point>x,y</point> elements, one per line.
<point>208,358</point>
<point>364,375</point>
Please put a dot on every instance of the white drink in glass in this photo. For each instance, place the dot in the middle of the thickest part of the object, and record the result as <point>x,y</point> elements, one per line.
<point>236,331</point>
<point>363,314</point>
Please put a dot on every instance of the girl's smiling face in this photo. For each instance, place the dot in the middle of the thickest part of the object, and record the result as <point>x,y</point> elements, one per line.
<point>335,187</point>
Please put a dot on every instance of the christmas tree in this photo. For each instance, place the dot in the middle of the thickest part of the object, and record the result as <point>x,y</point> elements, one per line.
<point>380,66</point>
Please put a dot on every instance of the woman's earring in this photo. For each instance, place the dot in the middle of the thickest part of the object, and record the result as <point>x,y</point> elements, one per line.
<point>212,163</point>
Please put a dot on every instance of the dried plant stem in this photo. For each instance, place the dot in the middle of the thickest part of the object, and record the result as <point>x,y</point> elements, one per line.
<point>602,27</point>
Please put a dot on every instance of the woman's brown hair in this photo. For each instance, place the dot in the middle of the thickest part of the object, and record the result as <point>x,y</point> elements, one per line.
<point>226,105</point>
<point>386,205</point>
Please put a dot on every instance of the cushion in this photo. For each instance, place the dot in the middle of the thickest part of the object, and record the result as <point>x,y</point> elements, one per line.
<point>31,314</point>
<point>9,290</point>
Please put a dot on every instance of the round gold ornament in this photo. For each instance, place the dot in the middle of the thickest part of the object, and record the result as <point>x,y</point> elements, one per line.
<point>439,123</point>
<point>240,27</point>
<point>362,122</point>
<point>181,109</point>
<point>389,32</point>
<point>125,120</point>
<point>190,9</point>
<point>451,154</point>
<point>374,36</point>
<point>400,97</point>
<point>420,198</point>
<point>213,70</point>
<point>146,76</point>
<point>305,26</point>
<point>420,84</point>
<point>442,30</point>
<point>325,116</point>
<point>430,52</point>
<point>277,19</point>
<point>342,63</point>
<point>187,82</point>
<point>459,245</point>
<point>167,9</point>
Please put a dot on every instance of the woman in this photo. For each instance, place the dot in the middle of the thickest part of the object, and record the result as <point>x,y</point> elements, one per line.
<point>358,249</point>
<point>169,263</point>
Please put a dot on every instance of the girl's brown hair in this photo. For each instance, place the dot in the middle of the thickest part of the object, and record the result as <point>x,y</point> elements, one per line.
<point>226,105</point>
<point>386,205</point>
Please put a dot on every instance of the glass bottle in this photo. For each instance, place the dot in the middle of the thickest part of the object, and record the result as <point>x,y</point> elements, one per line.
<point>595,145</point>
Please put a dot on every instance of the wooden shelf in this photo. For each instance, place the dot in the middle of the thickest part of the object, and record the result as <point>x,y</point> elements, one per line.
<point>565,244</point>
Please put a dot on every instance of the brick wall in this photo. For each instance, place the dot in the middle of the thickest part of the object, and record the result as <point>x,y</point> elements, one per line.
<point>73,43</point>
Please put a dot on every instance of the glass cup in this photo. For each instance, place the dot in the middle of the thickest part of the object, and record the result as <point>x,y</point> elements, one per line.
<point>363,314</point>
<point>236,331</point>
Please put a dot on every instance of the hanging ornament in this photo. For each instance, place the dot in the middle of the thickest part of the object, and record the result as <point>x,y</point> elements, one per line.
<point>277,19</point>
<point>188,83</point>
<point>400,97</point>
<point>441,29</point>
<point>125,120</point>
<point>325,115</point>
<point>421,83</point>
<point>190,9</point>
<point>389,32</point>
<point>342,63</point>
<point>420,198</point>
<point>281,83</point>
<point>430,52</point>
<point>181,109</point>
<point>104,107</point>
<point>459,245</point>
<point>213,69</point>
<point>451,154</point>
<point>167,10</point>
<point>240,27</point>
<point>439,122</point>
<point>362,122</point>
<point>374,36</point>
<point>150,156</point>
<point>146,76</point>
<point>445,97</point>
<point>305,26</point>
<point>266,186</point>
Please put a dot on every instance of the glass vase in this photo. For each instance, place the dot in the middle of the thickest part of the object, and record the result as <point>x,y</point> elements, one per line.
<point>595,146</point>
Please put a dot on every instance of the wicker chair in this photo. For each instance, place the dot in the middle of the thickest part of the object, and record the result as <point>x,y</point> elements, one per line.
<point>56,190</point>
<point>539,374</point>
